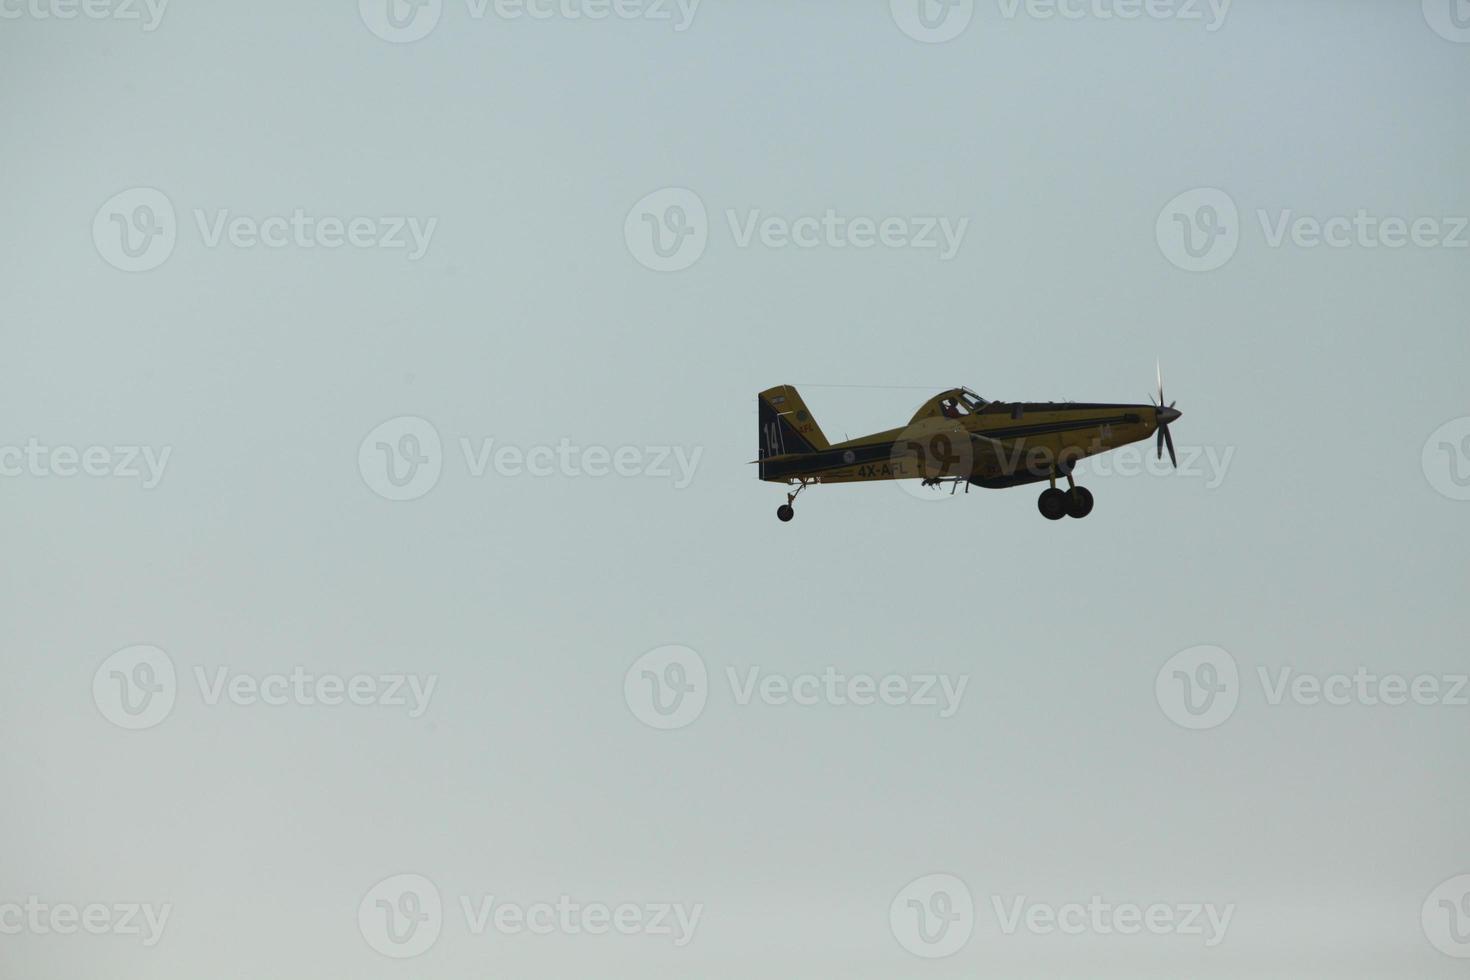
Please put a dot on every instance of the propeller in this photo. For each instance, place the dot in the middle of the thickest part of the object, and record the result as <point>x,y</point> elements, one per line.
<point>1165,414</point>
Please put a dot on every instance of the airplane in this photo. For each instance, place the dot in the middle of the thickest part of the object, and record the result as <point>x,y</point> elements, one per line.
<point>957,436</point>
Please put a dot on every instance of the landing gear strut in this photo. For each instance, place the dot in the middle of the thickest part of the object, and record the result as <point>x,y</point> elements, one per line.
<point>1055,503</point>
<point>786,512</point>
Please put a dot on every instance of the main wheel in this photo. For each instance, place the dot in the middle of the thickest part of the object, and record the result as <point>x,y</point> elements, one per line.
<point>1052,503</point>
<point>1079,502</point>
<point>785,512</point>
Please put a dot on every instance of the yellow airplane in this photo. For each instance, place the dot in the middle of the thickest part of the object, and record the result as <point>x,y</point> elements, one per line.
<point>956,437</point>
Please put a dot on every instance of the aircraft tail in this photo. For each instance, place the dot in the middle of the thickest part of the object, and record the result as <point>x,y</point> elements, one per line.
<point>786,426</point>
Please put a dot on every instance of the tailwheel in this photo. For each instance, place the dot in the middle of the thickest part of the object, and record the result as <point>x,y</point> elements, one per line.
<point>1052,503</point>
<point>1079,502</point>
<point>786,512</point>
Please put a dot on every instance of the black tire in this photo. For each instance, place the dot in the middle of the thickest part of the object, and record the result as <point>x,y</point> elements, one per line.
<point>1079,502</point>
<point>785,512</point>
<point>1052,503</point>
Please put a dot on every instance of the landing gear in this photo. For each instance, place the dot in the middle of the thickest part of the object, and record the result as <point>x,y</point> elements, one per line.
<point>1052,503</point>
<point>1079,502</point>
<point>786,512</point>
<point>1056,503</point>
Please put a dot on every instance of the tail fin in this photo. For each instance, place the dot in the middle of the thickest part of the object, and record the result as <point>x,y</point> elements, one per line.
<point>786,425</point>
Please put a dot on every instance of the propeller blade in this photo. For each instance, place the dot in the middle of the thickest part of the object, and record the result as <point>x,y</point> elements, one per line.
<point>1170,440</point>
<point>1160,443</point>
<point>1159,372</point>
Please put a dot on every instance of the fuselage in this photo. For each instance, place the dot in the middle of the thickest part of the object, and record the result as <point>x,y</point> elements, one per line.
<point>1001,444</point>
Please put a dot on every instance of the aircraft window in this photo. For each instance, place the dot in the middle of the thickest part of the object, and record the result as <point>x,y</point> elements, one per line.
<point>951,408</point>
<point>972,401</point>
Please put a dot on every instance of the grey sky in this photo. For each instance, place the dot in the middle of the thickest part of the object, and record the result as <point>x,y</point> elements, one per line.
<point>238,383</point>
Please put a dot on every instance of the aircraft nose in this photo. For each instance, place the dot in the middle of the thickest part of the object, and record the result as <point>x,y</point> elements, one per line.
<point>1167,415</point>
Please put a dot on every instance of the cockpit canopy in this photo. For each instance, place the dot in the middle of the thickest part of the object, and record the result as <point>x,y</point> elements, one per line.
<point>955,403</point>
